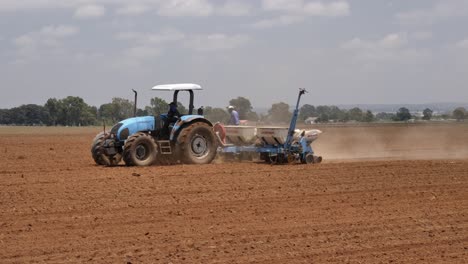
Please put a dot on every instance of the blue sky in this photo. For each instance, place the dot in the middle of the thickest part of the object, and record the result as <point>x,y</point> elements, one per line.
<point>343,52</point>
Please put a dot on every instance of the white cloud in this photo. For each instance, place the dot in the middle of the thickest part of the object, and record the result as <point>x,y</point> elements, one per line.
<point>181,8</point>
<point>390,41</point>
<point>441,10</point>
<point>232,8</point>
<point>59,31</point>
<point>133,9</point>
<point>356,43</point>
<point>283,5</point>
<point>47,39</point>
<point>185,8</point>
<point>83,57</point>
<point>422,35</point>
<point>311,8</point>
<point>146,45</point>
<point>143,52</point>
<point>149,43</point>
<point>168,35</point>
<point>216,42</point>
<point>15,5</point>
<point>49,34</point>
<point>90,11</point>
<point>295,11</point>
<point>463,44</point>
<point>340,8</point>
<point>136,56</point>
<point>392,47</point>
<point>279,21</point>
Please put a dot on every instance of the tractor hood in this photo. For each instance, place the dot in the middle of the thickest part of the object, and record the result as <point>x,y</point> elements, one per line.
<point>129,126</point>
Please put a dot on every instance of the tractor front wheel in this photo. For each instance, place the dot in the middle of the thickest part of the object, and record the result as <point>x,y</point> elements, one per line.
<point>98,153</point>
<point>96,150</point>
<point>140,150</point>
<point>197,144</point>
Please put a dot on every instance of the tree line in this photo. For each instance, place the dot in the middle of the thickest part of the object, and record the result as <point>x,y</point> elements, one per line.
<point>74,111</point>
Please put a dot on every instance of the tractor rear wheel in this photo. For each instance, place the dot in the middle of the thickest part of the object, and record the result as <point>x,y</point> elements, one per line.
<point>197,144</point>
<point>98,153</point>
<point>140,150</point>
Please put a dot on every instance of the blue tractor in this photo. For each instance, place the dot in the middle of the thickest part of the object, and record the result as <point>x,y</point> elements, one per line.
<point>148,140</point>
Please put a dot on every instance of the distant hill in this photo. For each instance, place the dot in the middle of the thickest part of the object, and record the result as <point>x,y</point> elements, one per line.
<point>445,107</point>
<point>436,107</point>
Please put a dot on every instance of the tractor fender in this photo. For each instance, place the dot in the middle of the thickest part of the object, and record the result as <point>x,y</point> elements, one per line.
<point>185,121</point>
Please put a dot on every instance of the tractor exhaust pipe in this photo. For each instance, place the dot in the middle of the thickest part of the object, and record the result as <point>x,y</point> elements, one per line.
<point>135,106</point>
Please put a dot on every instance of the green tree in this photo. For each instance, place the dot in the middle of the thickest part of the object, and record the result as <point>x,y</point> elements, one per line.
<point>5,117</point>
<point>55,109</point>
<point>385,116</point>
<point>403,114</point>
<point>322,118</point>
<point>242,105</point>
<point>279,112</point>
<point>106,112</point>
<point>427,114</point>
<point>141,112</point>
<point>158,106</point>
<point>253,116</point>
<point>323,109</point>
<point>123,108</point>
<point>356,114</point>
<point>307,111</point>
<point>459,113</point>
<point>76,112</point>
<point>30,114</point>
<point>368,116</point>
<point>216,114</point>
<point>337,114</point>
<point>182,109</point>
<point>119,109</point>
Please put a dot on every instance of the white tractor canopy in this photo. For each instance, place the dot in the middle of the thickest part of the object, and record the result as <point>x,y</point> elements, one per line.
<point>177,87</point>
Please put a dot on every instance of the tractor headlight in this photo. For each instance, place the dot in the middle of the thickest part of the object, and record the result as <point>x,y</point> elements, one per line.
<point>115,128</point>
<point>124,134</point>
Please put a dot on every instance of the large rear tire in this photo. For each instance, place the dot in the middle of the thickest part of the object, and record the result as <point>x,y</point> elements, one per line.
<point>197,144</point>
<point>140,150</point>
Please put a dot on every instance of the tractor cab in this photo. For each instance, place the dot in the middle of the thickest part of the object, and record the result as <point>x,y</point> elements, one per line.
<point>167,124</point>
<point>176,88</point>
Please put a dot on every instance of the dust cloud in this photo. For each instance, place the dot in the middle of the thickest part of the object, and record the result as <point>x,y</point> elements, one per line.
<point>392,141</point>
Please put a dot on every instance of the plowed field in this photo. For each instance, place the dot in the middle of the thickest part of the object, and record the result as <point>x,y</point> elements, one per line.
<point>384,194</point>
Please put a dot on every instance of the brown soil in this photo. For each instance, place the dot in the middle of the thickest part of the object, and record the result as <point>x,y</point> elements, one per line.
<point>56,206</point>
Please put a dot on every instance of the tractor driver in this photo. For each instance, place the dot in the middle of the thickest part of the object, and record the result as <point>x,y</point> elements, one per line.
<point>172,116</point>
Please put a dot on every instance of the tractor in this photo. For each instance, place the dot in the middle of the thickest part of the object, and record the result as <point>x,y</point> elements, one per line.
<point>141,141</point>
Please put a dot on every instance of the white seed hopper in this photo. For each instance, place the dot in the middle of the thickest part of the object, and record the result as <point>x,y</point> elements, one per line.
<point>240,135</point>
<point>272,135</point>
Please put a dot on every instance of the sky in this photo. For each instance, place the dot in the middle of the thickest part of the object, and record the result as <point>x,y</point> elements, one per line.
<point>342,52</point>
